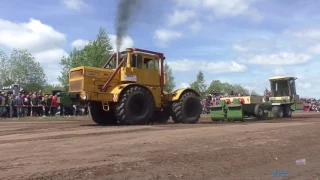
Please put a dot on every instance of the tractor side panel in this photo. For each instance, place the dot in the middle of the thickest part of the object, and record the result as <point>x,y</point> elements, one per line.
<point>94,80</point>
<point>156,93</point>
<point>88,81</point>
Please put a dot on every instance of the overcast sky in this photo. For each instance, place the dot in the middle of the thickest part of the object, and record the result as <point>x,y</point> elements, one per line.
<point>236,41</point>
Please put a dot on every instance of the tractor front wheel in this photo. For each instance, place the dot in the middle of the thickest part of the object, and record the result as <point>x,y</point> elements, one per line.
<point>100,116</point>
<point>287,112</point>
<point>135,106</point>
<point>187,109</point>
<point>277,111</point>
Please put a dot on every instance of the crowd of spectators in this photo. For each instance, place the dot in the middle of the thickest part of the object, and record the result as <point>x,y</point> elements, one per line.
<point>27,104</point>
<point>39,104</point>
<point>311,104</point>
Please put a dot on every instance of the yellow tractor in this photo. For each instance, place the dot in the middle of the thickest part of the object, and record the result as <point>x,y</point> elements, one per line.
<point>129,90</point>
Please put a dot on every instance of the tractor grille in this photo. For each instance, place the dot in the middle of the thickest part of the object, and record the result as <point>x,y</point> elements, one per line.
<point>75,85</point>
<point>76,74</point>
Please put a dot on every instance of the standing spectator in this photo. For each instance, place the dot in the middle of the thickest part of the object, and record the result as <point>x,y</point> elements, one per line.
<point>19,105</point>
<point>0,104</point>
<point>209,98</point>
<point>29,100</point>
<point>6,103</point>
<point>40,103</point>
<point>11,105</point>
<point>26,103</point>
<point>3,109</point>
<point>48,103</point>
<point>34,104</point>
<point>22,108</point>
<point>55,104</point>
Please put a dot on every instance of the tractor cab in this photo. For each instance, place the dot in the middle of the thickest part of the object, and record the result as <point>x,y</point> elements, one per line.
<point>283,89</point>
<point>138,66</point>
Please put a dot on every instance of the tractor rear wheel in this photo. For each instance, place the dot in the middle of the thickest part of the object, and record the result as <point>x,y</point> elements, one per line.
<point>100,116</point>
<point>277,111</point>
<point>134,107</point>
<point>287,112</point>
<point>187,109</point>
<point>258,111</point>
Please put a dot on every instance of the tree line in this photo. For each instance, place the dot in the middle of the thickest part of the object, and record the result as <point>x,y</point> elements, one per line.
<point>21,67</point>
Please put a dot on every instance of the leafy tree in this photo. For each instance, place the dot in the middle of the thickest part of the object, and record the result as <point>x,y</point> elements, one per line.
<point>199,85</point>
<point>254,93</point>
<point>4,69</point>
<point>216,85</point>
<point>170,84</point>
<point>75,58</point>
<point>95,54</point>
<point>22,68</point>
<point>226,87</point>
<point>49,88</point>
<point>237,88</point>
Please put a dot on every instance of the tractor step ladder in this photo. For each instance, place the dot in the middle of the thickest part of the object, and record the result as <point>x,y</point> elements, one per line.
<point>105,106</point>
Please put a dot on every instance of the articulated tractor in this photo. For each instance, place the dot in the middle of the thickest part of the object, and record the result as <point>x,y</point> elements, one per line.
<point>282,102</point>
<point>129,90</point>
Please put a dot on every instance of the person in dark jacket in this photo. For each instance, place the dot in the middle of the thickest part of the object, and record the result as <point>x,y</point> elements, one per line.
<point>11,104</point>
<point>3,109</point>
<point>26,103</point>
<point>34,104</point>
<point>18,105</point>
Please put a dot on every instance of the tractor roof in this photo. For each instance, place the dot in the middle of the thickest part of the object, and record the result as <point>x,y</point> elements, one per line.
<point>282,78</point>
<point>147,52</point>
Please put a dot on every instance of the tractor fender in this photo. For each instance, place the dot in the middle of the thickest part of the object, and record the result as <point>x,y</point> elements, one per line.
<point>117,90</point>
<point>176,95</point>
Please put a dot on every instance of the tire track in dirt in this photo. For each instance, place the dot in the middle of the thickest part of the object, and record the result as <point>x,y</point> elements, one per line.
<point>174,151</point>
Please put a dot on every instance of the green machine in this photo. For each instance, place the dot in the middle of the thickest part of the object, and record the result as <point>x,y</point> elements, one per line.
<point>281,103</point>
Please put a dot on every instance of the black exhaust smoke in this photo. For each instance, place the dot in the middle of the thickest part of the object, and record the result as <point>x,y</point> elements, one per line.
<point>125,13</point>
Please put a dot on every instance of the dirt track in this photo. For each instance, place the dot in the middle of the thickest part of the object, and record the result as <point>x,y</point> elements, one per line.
<point>78,149</point>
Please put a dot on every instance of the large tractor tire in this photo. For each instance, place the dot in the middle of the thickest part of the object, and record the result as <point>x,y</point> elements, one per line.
<point>187,109</point>
<point>287,112</point>
<point>277,111</point>
<point>135,106</point>
<point>258,111</point>
<point>100,116</point>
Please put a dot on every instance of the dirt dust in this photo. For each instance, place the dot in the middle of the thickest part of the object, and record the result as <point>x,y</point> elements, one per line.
<point>76,148</point>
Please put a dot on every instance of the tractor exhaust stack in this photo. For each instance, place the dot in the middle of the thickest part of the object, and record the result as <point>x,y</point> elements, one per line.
<point>117,60</point>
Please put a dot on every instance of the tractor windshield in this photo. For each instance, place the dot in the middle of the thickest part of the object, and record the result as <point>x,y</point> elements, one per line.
<point>292,87</point>
<point>112,63</point>
<point>279,88</point>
